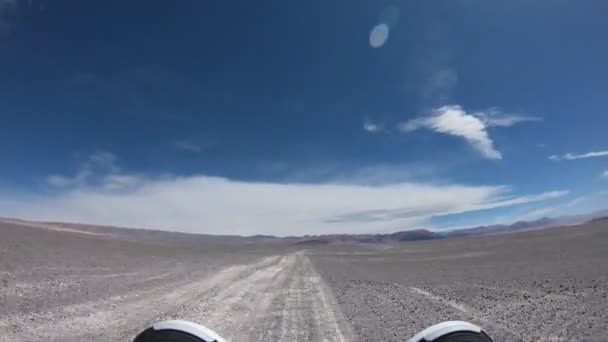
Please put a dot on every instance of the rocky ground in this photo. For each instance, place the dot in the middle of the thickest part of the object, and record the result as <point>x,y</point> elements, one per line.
<point>549,285</point>
<point>61,286</point>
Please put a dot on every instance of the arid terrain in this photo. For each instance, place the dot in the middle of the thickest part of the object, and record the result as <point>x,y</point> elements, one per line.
<point>66,285</point>
<point>548,285</point>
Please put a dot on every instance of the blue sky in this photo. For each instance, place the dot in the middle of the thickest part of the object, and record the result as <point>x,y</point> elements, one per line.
<point>312,117</point>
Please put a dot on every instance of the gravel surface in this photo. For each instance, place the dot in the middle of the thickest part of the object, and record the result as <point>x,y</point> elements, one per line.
<point>60,286</point>
<point>549,285</point>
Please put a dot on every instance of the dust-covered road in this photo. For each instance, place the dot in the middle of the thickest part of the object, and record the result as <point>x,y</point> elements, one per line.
<point>277,298</point>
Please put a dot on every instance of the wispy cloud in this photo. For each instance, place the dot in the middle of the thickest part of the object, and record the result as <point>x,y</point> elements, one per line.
<point>578,204</point>
<point>340,173</point>
<point>496,118</point>
<point>604,174</point>
<point>439,210</point>
<point>570,156</point>
<point>503,202</point>
<point>102,159</point>
<point>187,145</point>
<point>537,213</point>
<point>372,127</point>
<point>120,182</point>
<point>208,204</point>
<point>98,163</point>
<point>575,201</point>
<point>439,84</point>
<point>454,120</point>
<point>59,181</point>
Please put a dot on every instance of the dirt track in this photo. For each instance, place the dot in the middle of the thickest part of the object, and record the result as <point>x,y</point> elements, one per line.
<point>539,286</point>
<point>275,298</point>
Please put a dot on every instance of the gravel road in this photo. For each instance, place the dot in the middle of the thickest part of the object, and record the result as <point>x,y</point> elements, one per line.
<point>539,286</point>
<point>277,298</point>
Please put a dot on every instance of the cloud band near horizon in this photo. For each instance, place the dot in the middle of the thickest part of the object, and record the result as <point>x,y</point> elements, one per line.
<point>215,205</point>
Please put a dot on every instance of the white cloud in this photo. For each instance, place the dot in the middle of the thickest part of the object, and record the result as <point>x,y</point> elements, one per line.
<point>207,204</point>
<point>604,174</point>
<point>453,120</point>
<point>372,127</point>
<point>187,145</point>
<point>570,156</point>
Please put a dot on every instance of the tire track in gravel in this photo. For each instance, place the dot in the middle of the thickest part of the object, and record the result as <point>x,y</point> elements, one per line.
<point>236,309</point>
<point>284,302</point>
<point>465,310</point>
<point>118,317</point>
<point>280,298</point>
<point>388,311</point>
<point>329,317</point>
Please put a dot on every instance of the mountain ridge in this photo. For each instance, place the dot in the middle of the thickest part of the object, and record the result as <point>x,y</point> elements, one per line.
<point>150,235</point>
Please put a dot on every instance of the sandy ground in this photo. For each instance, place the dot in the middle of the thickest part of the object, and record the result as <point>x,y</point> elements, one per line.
<point>537,286</point>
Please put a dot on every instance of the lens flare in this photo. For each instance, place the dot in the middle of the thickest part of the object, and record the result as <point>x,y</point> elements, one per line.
<point>379,35</point>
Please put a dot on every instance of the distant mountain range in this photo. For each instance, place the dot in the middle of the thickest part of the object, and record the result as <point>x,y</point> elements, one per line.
<point>599,219</point>
<point>407,235</point>
<point>423,234</point>
<point>308,240</point>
